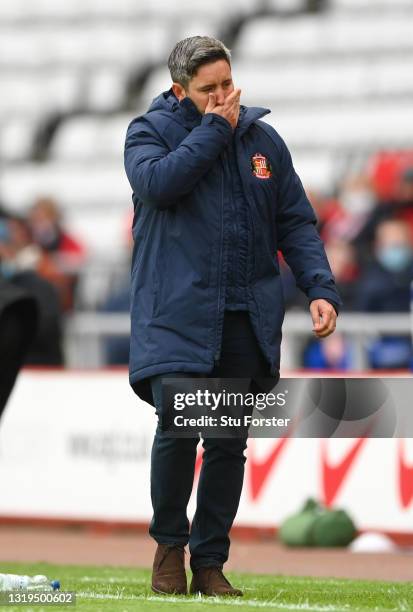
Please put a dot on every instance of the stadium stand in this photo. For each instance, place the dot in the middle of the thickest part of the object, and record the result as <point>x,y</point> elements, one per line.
<point>329,34</point>
<point>335,73</point>
<point>80,10</point>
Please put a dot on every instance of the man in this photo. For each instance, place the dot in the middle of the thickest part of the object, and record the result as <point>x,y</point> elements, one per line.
<point>215,197</point>
<point>385,287</point>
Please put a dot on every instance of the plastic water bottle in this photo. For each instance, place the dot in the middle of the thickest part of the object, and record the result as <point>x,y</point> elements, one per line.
<point>11,582</point>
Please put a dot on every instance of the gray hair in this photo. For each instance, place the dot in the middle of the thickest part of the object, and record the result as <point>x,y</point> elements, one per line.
<point>191,53</point>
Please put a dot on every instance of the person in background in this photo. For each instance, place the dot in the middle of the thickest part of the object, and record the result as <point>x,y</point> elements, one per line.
<point>19,261</point>
<point>398,206</point>
<point>335,353</point>
<point>351,219</point>
<point>385,287</point>
<point>385,283</point>
<point>65,253</point>
<point>45,221</point>
<point>404,205</point>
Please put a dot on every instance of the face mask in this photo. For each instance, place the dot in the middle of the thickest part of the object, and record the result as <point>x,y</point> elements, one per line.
<point>47,236</point>
<point>395,258</point>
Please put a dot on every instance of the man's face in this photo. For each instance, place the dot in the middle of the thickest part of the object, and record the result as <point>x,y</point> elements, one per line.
<point>214,77</point>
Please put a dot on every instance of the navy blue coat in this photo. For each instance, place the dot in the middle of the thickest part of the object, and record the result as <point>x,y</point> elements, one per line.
<point>175,163</point>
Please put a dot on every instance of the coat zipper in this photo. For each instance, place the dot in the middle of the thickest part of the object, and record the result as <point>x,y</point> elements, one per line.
<point>234,224</point>
<point>217,336</point>
<point>253,235</point>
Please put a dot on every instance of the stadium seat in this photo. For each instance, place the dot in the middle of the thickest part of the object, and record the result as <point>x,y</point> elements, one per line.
<point>38,93</point>
<point>268,37</point>
<point>87,44</point>
<point>158,82</point>
<point>95,185</point>
<point>286,6</point>
<point>339,79</point>
<point>106,89</point>
<point>346,127</point>
<point>103,231</point>
<point>16,138</point>
<point>317,170</point>
<point>90,138</point>
<point>196,26</point>
<point>21,10</point>
<point>377,5</point>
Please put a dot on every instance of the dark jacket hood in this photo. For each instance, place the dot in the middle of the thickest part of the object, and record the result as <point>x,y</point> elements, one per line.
<point>187,114</point>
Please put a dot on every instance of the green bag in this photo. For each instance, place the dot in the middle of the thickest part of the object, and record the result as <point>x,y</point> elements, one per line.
<point>316,525</point>
<point>297,530</point>
<point>333,528</point>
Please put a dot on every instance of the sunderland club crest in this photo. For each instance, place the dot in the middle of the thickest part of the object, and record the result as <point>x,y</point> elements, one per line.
<point>261,167</point>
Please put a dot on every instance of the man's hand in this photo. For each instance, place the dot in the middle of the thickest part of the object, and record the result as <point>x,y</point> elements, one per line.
<point>324,318</point>
<point>229,110</point>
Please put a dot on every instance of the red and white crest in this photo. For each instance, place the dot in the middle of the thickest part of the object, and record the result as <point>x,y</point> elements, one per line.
<point>261,167</point>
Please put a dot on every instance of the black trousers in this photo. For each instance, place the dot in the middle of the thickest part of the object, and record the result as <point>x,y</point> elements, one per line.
<point>222,471</point>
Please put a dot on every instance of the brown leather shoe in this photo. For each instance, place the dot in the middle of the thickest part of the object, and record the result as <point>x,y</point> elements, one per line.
<point>211,581</point>
<point>168,572</point>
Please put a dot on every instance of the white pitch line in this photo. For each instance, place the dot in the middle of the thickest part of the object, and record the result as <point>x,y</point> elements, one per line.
<point>251,603</point>
<point>113,579</point>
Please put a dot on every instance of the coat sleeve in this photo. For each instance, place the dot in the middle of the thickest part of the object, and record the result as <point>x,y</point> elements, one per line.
<point>298,238</point>
<point>158,176</point>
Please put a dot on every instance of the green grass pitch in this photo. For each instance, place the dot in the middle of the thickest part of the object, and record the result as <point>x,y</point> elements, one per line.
<point>118,589</point>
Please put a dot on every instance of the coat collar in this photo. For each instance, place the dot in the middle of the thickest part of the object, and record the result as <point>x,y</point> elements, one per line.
<point>186,113</point>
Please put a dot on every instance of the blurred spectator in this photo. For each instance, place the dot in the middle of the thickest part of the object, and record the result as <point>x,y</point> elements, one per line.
<point>19,259</point>
<point>66,254</point>
<point>405,197</point>
<point>399,206</point>
<point>405,191</point>
<point>332,353</point>
<point>24,253</point>
<point>353,211</point>
<point>385,287</point>
<point>45,222</point>
<point>386,169</point>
